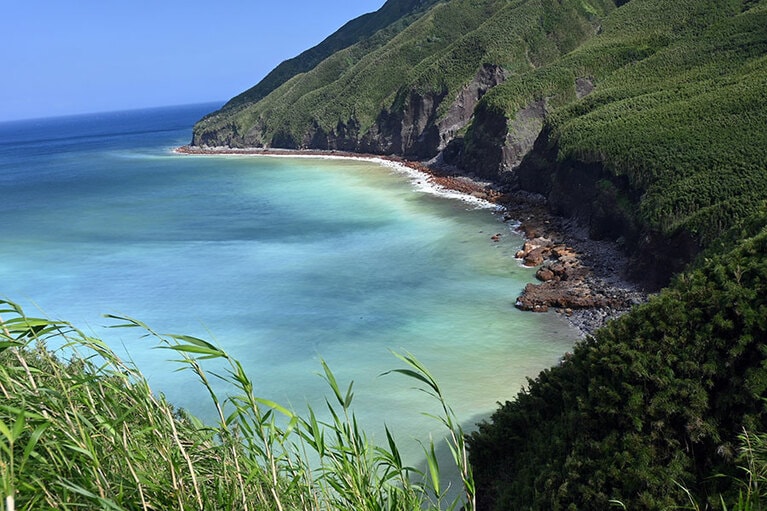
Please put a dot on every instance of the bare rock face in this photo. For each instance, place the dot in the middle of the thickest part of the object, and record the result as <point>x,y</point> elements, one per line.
<point>545,274</point>
<point>407,129</point>
<point>583,87</point>
<point>498,145</point>
<point>482,152</point>
<point>412,128</point>
<point>462,109</point>
<point>523,130</point>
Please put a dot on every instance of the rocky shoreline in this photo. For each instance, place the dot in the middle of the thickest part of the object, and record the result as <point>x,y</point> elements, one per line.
<point>581,278</point>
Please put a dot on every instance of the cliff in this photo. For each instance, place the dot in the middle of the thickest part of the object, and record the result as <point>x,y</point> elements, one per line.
<point>406,84</point>
<point>650,133</point>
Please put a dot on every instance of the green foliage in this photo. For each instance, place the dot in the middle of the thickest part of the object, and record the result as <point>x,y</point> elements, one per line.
<point>659,395</point>
<point>678,108</point>
<point>686,125</point>
<point>392,17</point>
<point>89,433</point>
<point>434,55</point>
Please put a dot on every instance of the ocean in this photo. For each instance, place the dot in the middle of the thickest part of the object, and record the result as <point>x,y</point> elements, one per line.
<point>281,261</point>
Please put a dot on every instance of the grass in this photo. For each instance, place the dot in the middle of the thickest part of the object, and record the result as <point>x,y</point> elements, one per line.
<point>89,432</point>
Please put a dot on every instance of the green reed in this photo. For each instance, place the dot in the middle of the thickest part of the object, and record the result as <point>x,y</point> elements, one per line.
<point>81,428</point>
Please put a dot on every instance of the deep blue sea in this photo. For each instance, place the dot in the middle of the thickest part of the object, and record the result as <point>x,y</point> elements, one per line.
<point>282,261</point>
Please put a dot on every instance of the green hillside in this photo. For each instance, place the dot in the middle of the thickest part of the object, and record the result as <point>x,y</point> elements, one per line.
<point>648,409</point>
<point>677,126</point>
<point>393,16</point>
<point>399,82</point>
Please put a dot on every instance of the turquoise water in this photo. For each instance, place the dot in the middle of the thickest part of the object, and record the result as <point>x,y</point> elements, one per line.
<point>281,261</point>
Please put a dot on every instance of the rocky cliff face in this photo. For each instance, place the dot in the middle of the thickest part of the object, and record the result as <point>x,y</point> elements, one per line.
<point>461,110</point>
<point>518,151</point>
<point>600,201</point>
<point>416,130</point>
<point>496,145</point>
<point>412,126</point>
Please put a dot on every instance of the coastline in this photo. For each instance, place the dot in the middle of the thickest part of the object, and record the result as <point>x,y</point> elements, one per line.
<point>578,277</point>
<point>473,190</point>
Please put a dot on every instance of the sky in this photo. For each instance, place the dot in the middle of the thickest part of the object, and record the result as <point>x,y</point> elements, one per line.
<point>63,57</point>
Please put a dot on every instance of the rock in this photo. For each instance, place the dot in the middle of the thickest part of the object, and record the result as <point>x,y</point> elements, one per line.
<point>535,257</point>
<point>535,251</point>
<point>541,242</point>
<point>557,269</point>
<point>544,274</point>
<point>563,252</point>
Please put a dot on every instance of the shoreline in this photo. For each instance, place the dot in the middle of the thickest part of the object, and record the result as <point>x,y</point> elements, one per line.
<point>471,188</point>
<point>580,278</point>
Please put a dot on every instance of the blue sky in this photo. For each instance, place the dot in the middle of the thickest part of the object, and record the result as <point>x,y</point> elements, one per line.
<point>65,57</point>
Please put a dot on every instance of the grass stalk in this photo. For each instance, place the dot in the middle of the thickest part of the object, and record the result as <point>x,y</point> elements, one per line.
<point>88,432</point>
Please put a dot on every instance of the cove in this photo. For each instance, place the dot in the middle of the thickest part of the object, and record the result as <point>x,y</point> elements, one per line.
<point>280,261</point>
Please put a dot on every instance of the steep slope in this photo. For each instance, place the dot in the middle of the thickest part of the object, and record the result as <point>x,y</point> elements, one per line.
<point>650,406</point>
<point>643,121</point>
<point>406,90</point>
<point>666,151</point>
<point>394,15</point>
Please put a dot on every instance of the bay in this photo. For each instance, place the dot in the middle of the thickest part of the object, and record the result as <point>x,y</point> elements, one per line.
<point>282,261</point>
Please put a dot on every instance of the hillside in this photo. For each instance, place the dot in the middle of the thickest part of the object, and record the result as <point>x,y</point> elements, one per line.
<point>392,16</point>
<point>406,88</point>
<point>649,408</point>
<point>666,151</point>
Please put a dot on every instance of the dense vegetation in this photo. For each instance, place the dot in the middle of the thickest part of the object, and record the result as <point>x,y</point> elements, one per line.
<point>648,408</point>
<point>88,433</point>
<point>678,110</point>
<point>374,80</point>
